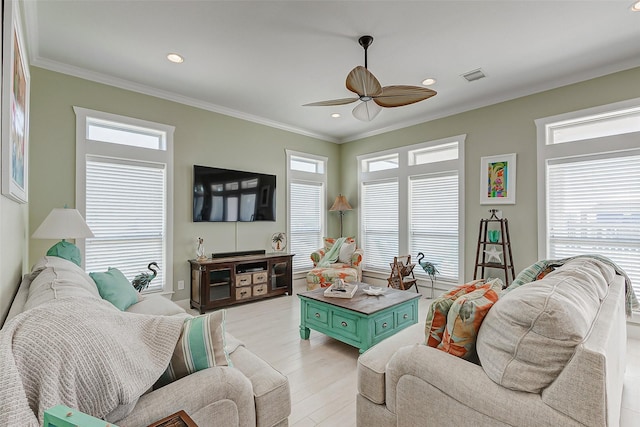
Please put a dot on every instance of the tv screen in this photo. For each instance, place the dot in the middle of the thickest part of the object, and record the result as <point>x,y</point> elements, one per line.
<point>225,195</point>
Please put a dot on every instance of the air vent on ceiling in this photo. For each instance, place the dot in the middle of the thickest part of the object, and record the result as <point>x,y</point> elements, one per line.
<point>474,75</point>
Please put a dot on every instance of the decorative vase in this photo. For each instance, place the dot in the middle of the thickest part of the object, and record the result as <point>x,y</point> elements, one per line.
<point>200,250</point>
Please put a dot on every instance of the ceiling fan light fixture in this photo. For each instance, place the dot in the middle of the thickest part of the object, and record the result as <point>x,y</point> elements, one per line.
<point>366,111</point>
<point>175,58</point>
<point>429,81</point>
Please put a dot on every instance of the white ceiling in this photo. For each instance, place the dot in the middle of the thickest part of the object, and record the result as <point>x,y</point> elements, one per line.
<point>262,60</point>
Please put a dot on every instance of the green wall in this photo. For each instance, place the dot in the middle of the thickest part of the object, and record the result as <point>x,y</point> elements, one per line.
<point>201,137</point>
<point>502,128</point>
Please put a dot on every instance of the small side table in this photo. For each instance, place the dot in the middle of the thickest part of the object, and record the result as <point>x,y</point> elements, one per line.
<point>179,419</point>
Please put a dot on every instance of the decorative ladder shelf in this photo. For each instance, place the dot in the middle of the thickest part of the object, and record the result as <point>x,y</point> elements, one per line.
<point>493,235</point>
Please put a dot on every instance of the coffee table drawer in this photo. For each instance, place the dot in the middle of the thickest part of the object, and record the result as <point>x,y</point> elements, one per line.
<point>317,314</point>
<point>404,315</point>
<point>345,324</point>
<point>383,324</point>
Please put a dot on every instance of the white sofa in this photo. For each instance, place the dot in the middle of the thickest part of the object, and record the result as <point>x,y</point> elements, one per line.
<point>402,382</point>
<point>251,393</point>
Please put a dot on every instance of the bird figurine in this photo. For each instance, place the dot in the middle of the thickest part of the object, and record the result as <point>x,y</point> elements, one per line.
<point>142,280</point>
<point>428,268</point>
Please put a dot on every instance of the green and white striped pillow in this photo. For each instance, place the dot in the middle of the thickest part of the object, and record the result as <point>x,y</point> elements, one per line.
<point>201,345</point>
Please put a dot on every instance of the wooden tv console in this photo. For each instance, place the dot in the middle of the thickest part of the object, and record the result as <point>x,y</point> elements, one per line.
<point>220,282</point>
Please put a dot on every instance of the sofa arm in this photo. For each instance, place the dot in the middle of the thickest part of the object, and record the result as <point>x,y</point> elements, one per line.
<point>222,394</point>
<point>317,255</point>
<point>418,373</point>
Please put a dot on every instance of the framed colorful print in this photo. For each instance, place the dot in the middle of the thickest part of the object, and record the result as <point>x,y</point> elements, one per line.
<point>498,180</point>
<point>15,107</point>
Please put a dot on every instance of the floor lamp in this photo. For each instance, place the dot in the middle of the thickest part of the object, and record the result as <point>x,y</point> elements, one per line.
<point>341,205</point>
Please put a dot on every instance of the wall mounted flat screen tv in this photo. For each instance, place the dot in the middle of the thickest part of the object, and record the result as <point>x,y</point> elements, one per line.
<point>225,195</point>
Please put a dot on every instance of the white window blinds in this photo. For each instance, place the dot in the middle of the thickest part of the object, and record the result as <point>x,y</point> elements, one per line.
<point>125,209</point>
<point>593,206</point>
<point>434,222</point>
<point>380,223</point>
<point>305,222</point>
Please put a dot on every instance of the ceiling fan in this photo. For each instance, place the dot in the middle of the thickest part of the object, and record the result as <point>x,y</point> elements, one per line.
<point>372,94</point>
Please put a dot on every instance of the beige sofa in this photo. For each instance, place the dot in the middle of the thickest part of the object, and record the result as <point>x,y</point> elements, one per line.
<point>402,382</point>
<point>251,393</point>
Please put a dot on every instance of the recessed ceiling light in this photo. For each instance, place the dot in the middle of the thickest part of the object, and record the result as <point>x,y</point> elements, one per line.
<point>335,115</point>
<point>428,82</point>
<point>174,57</point>
<point>636,6</point>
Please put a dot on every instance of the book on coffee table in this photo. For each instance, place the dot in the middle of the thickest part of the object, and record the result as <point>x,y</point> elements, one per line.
<point>348,291</point>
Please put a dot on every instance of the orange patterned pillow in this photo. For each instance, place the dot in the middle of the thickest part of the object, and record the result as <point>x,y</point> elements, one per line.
<point>329,241</point>
<point>437,316</point>
<point>465,317</point>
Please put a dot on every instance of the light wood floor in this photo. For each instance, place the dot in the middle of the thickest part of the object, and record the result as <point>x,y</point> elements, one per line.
<point>322,370</point>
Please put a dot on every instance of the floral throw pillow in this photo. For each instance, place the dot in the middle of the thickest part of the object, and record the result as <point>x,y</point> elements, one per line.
<point>465,317</point>
<point>439,309</point>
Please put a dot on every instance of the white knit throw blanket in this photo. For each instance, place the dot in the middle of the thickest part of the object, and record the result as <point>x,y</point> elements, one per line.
<point>83,353</point>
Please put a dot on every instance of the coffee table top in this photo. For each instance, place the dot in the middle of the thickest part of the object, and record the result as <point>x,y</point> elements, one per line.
<point>361,302</point>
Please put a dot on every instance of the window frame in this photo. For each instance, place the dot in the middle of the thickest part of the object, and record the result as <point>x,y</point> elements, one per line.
<point>302,177</point>
<point>403,174</point>
<point>164,155</point>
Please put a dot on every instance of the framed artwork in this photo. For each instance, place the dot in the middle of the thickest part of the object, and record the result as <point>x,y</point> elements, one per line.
<point>15,107</point>
<point>498,180</point>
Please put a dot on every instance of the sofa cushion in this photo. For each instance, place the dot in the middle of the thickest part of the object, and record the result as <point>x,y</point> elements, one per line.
<point>531,333</point>
<point>55,278</point>
<point>157,305</point>
<point>201,345</point>
<point>464,320</point>
<point>436,321</point>
<point>115,288</point>
<point>322,277</point>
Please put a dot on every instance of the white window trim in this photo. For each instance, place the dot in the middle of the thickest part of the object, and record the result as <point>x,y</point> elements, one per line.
<point>133,153</point>
<point>308,177</point>
<point>402,174</point>
<point>590,147</point>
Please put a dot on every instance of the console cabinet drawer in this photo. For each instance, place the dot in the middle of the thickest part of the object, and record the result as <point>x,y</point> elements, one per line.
<point>260,277</point>
<point>260,289</point>
<point>243,279</point>
<point>243,292</point>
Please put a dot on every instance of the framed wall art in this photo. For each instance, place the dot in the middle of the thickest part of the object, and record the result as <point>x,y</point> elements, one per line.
<point>15,107</point>
<point>498,180</point>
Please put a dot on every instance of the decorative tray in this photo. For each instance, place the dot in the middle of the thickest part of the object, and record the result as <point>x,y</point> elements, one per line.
<point>348,291</point>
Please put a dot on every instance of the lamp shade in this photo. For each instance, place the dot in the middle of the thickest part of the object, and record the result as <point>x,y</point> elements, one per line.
<point>63,223</point>
<point>340,204</point>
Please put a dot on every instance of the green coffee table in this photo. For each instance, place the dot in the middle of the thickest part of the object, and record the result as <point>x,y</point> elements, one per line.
<point>361,321</point>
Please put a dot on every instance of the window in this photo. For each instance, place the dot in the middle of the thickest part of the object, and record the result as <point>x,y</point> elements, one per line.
<point>589,162</point>
<point>307,181</point>
<point>124,188</point>
<point>411,200</point>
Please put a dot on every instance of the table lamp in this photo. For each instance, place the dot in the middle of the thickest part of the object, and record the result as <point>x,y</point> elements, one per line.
<point>64,223</point>
<point>341,205</point>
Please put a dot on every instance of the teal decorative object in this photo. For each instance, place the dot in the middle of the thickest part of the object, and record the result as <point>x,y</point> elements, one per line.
<point>66,250</point>
<point>428,268</point>
<point>142,280</point>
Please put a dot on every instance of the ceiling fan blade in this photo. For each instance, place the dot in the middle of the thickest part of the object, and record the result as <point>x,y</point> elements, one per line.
<point>361,81</point>
<point>340,101</point>
<point>366,111</point>
<point>397,96</point>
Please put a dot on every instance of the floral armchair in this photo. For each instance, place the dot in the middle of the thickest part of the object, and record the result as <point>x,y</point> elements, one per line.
<point>348,267</point>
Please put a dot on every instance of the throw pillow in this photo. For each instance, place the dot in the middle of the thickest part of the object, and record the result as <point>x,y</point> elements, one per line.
<point>346,252</point>
<point>439,308</point>
<point>201,345</point>
<point>464,320</point>
<point>115,288</point>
